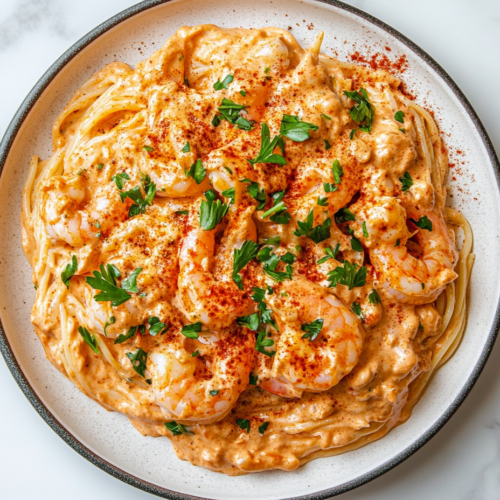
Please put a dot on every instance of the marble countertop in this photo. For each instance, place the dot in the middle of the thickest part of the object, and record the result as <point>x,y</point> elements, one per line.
<point>463,461</point>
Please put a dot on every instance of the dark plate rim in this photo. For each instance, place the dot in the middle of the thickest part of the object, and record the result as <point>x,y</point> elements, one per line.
<point>130,479</point>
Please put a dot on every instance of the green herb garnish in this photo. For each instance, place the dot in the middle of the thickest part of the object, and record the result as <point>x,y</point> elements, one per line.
<point>191,331</point>
<point>267,147</point>
<point>406,182</point>
<point>118,178</point>
<point>176,429</point>
<point>256,193</point>
<point>348,275</point>
<point>399,117</point>
<point>110,321</point>
<point>344,215</point>
<point>313,329</point>
<point>105,281</point>
<point>211,211</point>
<point>241,257</point>
<point>89,338</point>
<point>196,171</point>
<point>319,233</point>
<point>330,254</point>
<point>243,424</point>
<point>374,297</point>
<point>186,148</point>
<point>229,193</point>
<point>263,427</point>
<point>69,271</point>
<point>223,85</point>
<point>363,112</point>
<point>156,326</point>
<point>138,360</point>
<point>295,129</point>
<point>261,342</point>
<point>423,223</point>
<point>122,338</point>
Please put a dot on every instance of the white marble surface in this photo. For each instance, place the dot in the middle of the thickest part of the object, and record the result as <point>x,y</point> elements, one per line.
<point>463,461</point>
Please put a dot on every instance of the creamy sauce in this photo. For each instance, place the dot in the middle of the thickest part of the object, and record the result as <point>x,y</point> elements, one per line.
<point>153,124</point>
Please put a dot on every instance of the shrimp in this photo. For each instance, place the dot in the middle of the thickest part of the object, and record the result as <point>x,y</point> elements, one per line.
<point>203,387</point>
<point>307,363</point>
<point>415,280</point>
<point>206,290</point>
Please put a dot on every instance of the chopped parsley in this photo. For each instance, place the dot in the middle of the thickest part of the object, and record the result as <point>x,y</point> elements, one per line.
<point>149,149</point>
<point>156,326</point>
<point>295,129</point>
<point>122,338</point>
<point>105,281</point>
<point>399,117</point>
<point>327,144</point>
<point>351,135</point>
<point>191,331</point>
<point>69,271</point>
<point>186,82</point>
<point>344,215</point>
<point>338,172</point>
<point>196,171</point>
<point>261,342</point>
<point>256,193</point>
<point>406,182</point>
<point>130,284</point>
<point>243,424</point>
<point>211,211</point>
<point>214,392</point>
<point>362,112</point>
<point>258,295</point>
<point>267,69</point>
<point>374,297</point>
<point>110,321</point>
<point>229,193</point>
<point>267,147</point>
<point>348,275</point>
<point>325,117</point>
<point>195,353</point>
<point>252,321</point>
<point>365,231</point>
<point>319,233</point>
<point>329,187</point>
<point>242,256</point>
<point>118,178</point>
<point>227,169</point>
<point>281,216</point>
<point>186,148</point>
<point>270,262</point>
<point>223,85</point>
<point>313,329</point>
<point>100,166</point>
<point>89,339</point>
<point>135,194</point>
<point>182,212</point>
<point>263,427</point>
<point>176,429</point>
<point>243,93</point>
<point>230,111</point>
<point>355,243</point>
<point>253,379</point>
<point>322,201</point>
<point>398,241</point>
<point>356,307</point>
<point>138,360</point>
<point>330,254</point>
<point>423,223</point>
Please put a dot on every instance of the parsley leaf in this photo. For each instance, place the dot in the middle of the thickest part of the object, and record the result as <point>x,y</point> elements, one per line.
<point>374,297</point>
<point>196,171</point>
<point>365,231</point>
<point>253,379</point>
<point>258,294</point>
<point>138,360</point>
<point>211,212</point>
<point>295,129</point>
<point>130,284</point>
<point>118,178</point>
<point>266,315</point>
<point>267,147</point>
<point>252,322</point>
<point>327,144</point>
<point>149,149</point>
<point>243,93</point>
<point>243,424</point>
<point>241,257</point>
<point>330,254</point>
<point>338,172</point>
<point>223,85</point>
<point>399,117</point>
<point>261,342</point>
<point>406,182</point>
<point>122,338</point>
<point>356,307</point>
<point>398,241</point>
<point>69,271</point>
<point>256,193</point>
<point>325,117</point>
<point>318,234</point>
<point>363,112</point>
<point>110,321</point>
<point>344,215</point>
<point>423,223</point>
<point>191,331</point>
<point>89,338</point>
<point>351,135</point>
<point>214,392</point>
<point>278,209</point>
<point>105,281</point>
<point>195,353</point>
<point>230,111</point>
<point>156,326</point>
<point>270,263</point>
<point>348,275</point>
<point>263,427</point>
<point>176,429</point>
<point>313,329</point>
<point>229,193</point>
<point>355,243</point>
<point>322,201</point>
<point>140,203</point>
<point>329,187</point>
<point>186,148</point>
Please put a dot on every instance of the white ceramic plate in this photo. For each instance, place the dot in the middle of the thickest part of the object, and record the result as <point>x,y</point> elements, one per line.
<point>107,439</point>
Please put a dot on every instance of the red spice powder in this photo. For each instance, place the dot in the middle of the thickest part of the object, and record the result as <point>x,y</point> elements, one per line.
<point>381,61</point>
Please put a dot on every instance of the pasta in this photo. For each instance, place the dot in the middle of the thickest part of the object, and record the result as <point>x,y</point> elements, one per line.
<point>244,246</point>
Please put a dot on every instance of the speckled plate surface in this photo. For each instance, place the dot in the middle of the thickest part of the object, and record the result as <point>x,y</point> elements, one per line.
<point>107,439</point>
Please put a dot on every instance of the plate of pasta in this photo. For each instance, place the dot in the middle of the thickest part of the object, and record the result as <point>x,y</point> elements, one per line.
<point>252,232</point>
